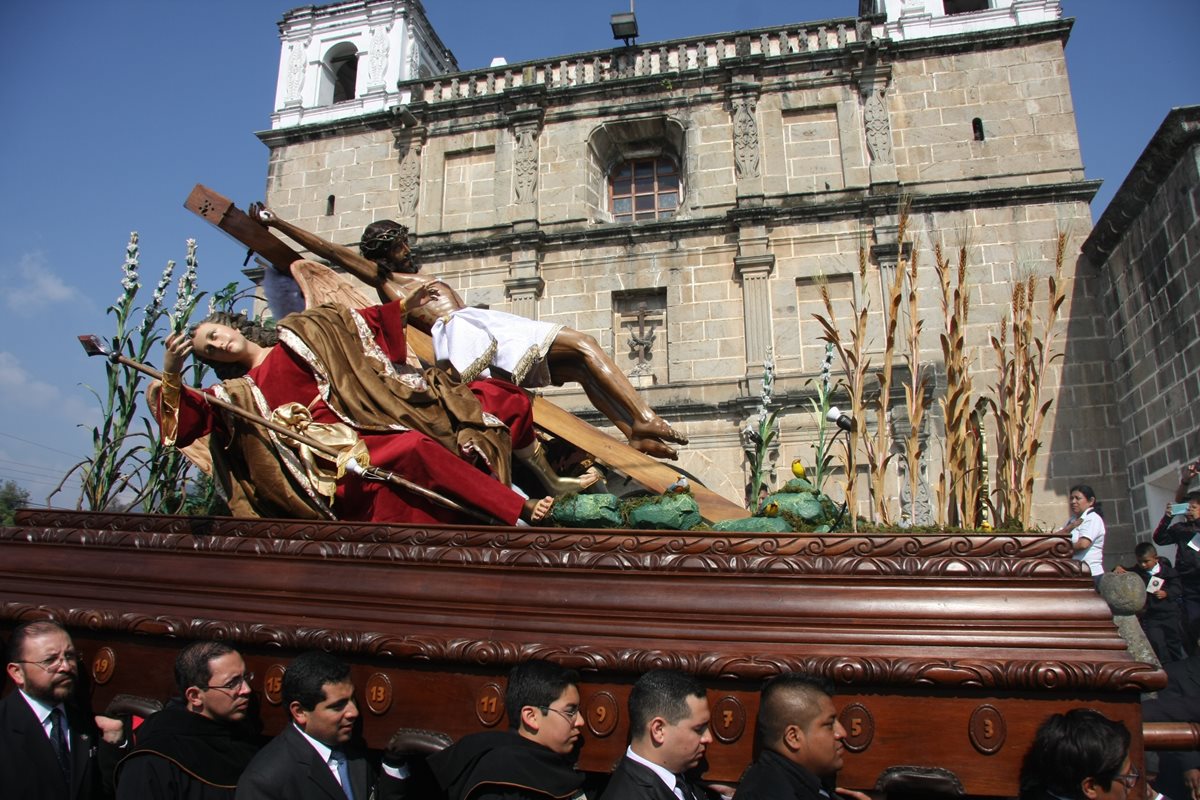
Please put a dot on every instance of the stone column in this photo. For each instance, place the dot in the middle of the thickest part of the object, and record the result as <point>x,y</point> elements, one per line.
<point>754,264</point>
<point>410,141</point>
<point>744,90</point>
<point>297,61</point>
<point>524,291</point>
<point>873,79</point>
<point>379,40</point>
<point>525,121</point>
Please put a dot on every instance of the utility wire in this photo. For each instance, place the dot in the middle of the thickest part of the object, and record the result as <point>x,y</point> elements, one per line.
<point>39,444</point>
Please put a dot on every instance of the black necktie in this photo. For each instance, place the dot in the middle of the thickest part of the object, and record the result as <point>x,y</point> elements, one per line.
<point>58,740</point>
<point>684,789</point>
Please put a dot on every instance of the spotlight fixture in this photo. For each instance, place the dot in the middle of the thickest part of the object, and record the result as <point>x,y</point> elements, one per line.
<point>624,26</point>
<point>843,421</point>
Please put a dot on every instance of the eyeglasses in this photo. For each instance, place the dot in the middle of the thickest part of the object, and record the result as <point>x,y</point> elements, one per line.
<point>234,683</point>
<point>1130,779</point>
<point>69,659</point>
<point>569,716</point>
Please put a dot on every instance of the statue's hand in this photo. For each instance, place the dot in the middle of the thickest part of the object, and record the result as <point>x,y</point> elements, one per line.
<point>179,347</point>
<point>415,292</point>
<point>260,213</point>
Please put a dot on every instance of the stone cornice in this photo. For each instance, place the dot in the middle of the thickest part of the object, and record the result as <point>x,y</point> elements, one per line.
<point>798,209</point>
<point>375,121</point>
<point>1179,131</point>
<point>980,40</point>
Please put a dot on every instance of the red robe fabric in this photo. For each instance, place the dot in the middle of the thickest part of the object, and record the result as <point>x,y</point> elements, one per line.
<point>284,377</point>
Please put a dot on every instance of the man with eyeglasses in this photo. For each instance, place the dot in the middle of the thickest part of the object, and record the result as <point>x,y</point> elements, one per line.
<point>314,758</point>
<point>197,747</point>
<point>1079,755</point>
<point>534,759</point>
<point>49,749</point>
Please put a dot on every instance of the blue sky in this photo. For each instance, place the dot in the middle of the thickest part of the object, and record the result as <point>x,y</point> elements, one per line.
<point>116,109</point>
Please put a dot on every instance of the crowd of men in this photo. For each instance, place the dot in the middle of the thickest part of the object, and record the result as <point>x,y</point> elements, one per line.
<point>200,746</point>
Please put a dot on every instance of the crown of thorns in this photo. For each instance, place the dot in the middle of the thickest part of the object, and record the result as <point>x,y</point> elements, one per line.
<point>384,238</point>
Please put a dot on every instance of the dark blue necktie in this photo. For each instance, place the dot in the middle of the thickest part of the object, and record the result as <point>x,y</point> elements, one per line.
<point>58,740</point>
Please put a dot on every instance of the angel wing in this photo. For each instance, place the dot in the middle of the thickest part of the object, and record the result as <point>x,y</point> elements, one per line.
<point>320,284</point>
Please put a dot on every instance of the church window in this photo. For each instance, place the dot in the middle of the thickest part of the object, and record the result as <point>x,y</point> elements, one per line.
<point>977,129</point>
<point>637,170</point>
<point>644,189</point>
<point>339,75</point>
<point>345,76</point>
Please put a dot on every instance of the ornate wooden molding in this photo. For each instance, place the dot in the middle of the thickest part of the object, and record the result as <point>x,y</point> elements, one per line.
<point>914,671</point>
<point>998,555</point>
<point>996,612</point>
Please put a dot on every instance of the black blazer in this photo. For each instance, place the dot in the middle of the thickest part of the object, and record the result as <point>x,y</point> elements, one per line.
<point>632,781</point>
<point>28,767</point>
<point>288,768</point>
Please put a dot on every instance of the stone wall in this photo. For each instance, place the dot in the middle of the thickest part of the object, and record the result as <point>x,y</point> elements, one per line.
<point>1143,261</point>
<point>794,146</point>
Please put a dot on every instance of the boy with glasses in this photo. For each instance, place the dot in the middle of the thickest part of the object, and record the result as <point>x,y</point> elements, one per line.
<point>531,761</point>
<point>197,747</point>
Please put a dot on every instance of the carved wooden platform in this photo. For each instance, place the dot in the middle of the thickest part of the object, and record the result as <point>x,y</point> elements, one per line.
<point>948,650</point>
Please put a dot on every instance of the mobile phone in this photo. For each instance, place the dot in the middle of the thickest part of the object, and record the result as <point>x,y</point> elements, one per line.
<point>1177,509</point>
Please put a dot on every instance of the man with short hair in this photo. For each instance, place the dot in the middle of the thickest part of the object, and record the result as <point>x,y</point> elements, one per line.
<point>49,749</point>
<point>531,761</point>
<point>668,728</point>
<point>197,747</point>
<point>313,758</point>
<point>1079,755</point>
<point>801,742</point>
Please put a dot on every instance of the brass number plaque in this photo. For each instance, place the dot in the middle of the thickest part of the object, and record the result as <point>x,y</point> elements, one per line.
<point>489,706</point>
<point>728,719</point>
<point>104,665</point>
<point>273,684</point>
<point>602,714</point>
<point>378,693</point>
<point>859,725</point>
<point>987,729</point>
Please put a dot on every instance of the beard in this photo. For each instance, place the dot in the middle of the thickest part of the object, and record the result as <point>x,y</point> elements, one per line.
<point>59,689</point>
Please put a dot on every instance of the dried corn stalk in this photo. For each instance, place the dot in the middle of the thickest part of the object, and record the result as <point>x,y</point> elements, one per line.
<point>1016,403</point>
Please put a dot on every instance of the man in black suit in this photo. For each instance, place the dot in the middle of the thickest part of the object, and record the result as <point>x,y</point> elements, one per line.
<point>534,759</point>
<point>197,747</point>
<point>801,742</point>
<point>49,749</point>
<point>668,727</point>
<point>313,759</point>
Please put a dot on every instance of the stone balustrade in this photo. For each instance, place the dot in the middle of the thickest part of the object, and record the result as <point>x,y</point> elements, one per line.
<point>659,58</point>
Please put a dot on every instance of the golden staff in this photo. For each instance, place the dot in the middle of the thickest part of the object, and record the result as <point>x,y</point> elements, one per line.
<point>94,346</point>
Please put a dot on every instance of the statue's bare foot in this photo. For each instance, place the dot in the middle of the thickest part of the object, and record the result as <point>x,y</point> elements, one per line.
<point>656,428</point>
<point>654,447</point>
<point>536,511</point>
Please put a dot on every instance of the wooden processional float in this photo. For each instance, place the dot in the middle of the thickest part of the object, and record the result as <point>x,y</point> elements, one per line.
<point>947,650</point>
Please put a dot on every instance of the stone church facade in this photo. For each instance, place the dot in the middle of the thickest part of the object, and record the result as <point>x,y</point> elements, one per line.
<point>683,202</point>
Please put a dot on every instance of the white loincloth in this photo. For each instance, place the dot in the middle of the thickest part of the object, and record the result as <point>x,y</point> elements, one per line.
<point>475,340</point>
